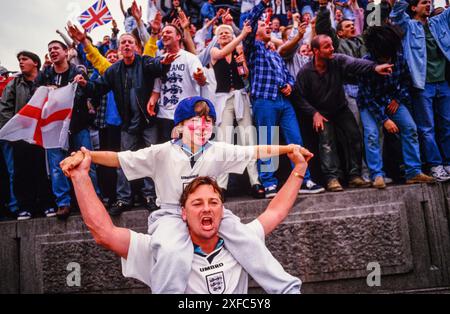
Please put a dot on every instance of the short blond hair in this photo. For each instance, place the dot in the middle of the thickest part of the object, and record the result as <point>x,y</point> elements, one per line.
<point>223,26</point>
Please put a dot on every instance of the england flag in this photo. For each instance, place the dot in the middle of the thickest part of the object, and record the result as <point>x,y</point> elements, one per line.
<point>45,120</point>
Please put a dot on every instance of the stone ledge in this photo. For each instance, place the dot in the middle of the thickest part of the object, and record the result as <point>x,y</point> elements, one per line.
<point>327,240</point>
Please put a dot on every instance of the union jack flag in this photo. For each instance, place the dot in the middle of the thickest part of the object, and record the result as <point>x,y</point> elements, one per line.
<point>97,15</point>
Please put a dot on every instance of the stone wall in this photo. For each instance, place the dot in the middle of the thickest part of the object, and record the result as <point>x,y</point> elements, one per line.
<point>328,240</point>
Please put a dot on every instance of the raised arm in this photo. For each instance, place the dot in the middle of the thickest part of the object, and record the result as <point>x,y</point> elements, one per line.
<point>66,39</point>
<point>323,23</point>
<point>114,32</point>
<point>136,12</point>
<point>152,10</point>
<point>151,47</point>
<point>293,44</point>
<point>217,54</point>
<point>122,8</point>
<point>253,17</point>
<point>398,14</point>
<point>98,61</point>
<point>94,213</point>
<point>185,24</point>
<point>281,205</point>
<point>359,16</point>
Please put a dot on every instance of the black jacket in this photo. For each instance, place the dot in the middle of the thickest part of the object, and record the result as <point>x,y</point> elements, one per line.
<point>80,112</point>
<point>324,93</point>
<point>145,70</point>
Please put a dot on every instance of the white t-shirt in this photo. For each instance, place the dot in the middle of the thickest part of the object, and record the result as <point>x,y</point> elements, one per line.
<point>179,84</point>
<point>215,273</point>
<point>170,168</point>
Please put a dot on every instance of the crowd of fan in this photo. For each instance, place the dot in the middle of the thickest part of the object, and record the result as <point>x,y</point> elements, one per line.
<point>269,66</point>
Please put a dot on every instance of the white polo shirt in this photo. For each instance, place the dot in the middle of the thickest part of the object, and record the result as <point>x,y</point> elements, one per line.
<point>214,273</point>
<point>170,167</point>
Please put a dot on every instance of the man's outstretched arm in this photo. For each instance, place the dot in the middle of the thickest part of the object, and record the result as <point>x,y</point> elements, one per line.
<point>268,151</point>
<point>94,213</point>
<point>281,205</point>
<point>107,159</point>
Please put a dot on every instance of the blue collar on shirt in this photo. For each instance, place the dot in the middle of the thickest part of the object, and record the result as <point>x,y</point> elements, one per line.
<point>187,149</point>
<point>198,249</point>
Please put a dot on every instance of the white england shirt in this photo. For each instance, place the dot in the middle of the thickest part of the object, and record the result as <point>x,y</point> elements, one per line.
<point>170,168</point>
<point>178,84</point>
<point>214,273</point>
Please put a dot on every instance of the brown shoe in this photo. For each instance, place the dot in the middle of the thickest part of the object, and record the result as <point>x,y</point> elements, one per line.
<point>421,178</point>
<point>379,183</point>
<point>334,186</point>
<point>63,212</point>
<point>358,182</point>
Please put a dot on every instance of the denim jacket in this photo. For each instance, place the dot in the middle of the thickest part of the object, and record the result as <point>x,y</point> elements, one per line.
<point>414,45</point>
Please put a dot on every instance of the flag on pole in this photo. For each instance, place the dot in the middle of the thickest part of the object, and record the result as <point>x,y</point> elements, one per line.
<point>97,15</point>
<point>45,120</point>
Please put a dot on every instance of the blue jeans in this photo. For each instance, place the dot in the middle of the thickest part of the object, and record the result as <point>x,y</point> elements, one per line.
<point>275,113</point>
<point>7,151</point>
<point>409,139</point>
<point>433,102</point>
<point>60,183</point>
<point>130,141</point>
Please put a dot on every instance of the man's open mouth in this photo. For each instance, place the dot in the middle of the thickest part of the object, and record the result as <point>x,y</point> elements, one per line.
<point>207,223</point>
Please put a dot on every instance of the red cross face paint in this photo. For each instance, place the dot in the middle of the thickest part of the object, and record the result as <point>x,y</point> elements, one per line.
<point>198,130</point>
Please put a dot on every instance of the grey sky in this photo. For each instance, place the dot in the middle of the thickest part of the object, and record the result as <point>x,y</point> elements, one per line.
<point>31,24</point>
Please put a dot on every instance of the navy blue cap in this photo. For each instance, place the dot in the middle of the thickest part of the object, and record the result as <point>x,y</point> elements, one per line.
<point>186,109</point>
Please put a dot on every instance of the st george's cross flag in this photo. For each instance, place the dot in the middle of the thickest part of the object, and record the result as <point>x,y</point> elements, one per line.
<point>97,15</point>
<point>45,120</point>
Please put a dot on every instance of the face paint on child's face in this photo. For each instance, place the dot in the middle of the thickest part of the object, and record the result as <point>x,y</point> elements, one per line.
<point>199,129</point>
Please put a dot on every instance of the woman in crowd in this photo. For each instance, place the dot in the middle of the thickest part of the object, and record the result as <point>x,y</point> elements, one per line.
<point>232,100</point>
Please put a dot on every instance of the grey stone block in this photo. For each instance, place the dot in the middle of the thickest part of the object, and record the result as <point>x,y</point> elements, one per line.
<point>339,244</point>
<point>9,258</point>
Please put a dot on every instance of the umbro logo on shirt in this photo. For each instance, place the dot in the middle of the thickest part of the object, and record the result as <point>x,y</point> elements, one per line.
<point>211,267</point>
<point>189,177</point>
